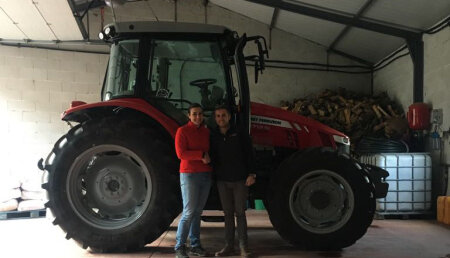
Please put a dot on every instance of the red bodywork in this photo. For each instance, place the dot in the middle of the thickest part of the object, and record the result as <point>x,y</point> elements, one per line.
<point>133,103</point>
<point>270,126</point>
<point>276,127</point>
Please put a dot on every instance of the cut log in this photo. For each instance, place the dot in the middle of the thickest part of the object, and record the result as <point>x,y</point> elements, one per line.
<point>347,116</point>
<point>377,112</point>
<point>378,127</point>
<point>392,111</point>
<point>329,108</point>
<point>321,112</point>
<point>312,110</point>
<point>384,112</point>
<point>344,101</point>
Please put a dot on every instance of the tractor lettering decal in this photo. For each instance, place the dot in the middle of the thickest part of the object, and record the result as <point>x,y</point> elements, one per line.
<point>270,121</point>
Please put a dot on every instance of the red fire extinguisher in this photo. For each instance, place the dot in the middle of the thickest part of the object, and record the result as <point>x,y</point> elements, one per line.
<point>419,116</point>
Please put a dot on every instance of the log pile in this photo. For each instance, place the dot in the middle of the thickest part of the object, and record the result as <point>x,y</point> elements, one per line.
<point>352,113</point>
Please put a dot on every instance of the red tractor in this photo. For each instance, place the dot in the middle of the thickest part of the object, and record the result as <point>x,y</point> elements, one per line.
<point>113,180</point>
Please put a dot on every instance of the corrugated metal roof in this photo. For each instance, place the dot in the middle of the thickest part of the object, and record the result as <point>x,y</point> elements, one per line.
<point>301,25</point>
<point>368,45</point>
<point>54,20</point>
<point>37,20</point>
<point>371,46</point>
<point>418,14</point>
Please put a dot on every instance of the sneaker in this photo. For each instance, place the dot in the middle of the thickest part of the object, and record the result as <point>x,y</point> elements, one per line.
<point>226,251</point>
<point>181,253</point>
<point>244,252</point>
<point>198,251</point>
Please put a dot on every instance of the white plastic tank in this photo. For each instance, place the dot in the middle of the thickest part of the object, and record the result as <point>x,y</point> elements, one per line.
<point>409,181</point>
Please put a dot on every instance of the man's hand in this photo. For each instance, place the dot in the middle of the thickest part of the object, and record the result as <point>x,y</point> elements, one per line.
<point>250,180</point>
<point>206,159</point>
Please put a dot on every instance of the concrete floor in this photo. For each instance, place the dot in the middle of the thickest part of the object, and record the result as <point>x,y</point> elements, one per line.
<point>385,238</point>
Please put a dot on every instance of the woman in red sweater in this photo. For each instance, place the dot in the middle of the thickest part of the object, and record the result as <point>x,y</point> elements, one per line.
<point>192,147</point>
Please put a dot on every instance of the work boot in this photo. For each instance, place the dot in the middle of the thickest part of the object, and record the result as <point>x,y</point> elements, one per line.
<point>226,251</point>
<point>181,252</point>
<point>198,251</point>
<point>244,252</point>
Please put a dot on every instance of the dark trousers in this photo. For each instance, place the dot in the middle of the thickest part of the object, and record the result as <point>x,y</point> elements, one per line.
<point>233,196</point>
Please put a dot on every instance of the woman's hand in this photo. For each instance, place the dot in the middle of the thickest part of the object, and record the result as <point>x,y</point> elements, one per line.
<point>250,180</point>
<point>206,159</point>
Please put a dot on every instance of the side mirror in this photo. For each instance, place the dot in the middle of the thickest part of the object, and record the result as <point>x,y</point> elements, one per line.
<point>260,64</point>
<point>261,55</point>
<point>257,69</point>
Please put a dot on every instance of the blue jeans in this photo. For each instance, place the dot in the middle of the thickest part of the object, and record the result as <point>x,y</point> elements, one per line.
<point>194,190</point>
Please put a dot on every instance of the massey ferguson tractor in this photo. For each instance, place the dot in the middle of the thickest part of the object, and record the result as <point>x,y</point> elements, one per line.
<point>113,179</point>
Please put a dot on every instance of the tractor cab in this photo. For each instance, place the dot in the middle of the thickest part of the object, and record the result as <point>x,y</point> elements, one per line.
<point>185,64</point>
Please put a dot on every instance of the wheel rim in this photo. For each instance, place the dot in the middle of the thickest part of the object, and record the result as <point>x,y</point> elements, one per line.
<point>109,186</point>
<point>321,201</point>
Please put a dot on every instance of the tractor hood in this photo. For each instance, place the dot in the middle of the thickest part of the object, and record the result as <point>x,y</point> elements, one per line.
<point>270,125</point>
<point>285,116</point>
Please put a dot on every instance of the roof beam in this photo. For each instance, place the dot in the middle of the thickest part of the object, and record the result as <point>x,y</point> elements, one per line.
<point>354,58</point>
<point>78,19</point>
<point>347,27</point>
<point>274,17</point>
<point>82,7</point>
<point>272,25</point>
<point>340,18</point>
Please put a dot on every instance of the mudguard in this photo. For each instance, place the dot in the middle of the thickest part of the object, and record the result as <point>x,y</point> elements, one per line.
<point>378,176</point>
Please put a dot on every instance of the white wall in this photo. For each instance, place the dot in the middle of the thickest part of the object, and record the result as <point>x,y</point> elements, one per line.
<point>36,86</point>
<point>397,80</point>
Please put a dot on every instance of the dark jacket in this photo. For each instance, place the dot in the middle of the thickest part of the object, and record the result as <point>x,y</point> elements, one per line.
<point>232,155</point>
<point>191,142</point>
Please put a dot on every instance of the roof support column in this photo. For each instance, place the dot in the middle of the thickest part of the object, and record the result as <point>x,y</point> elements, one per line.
<point>416,51</point>
<point>272,25</point>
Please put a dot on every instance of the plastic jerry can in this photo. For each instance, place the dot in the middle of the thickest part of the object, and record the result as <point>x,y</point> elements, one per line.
<point>259,205</point>
<point>447,211</point>
<point>441,208</point>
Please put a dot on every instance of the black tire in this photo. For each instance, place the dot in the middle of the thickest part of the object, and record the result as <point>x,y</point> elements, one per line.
<point>320,200</point>
<point>113,184</point>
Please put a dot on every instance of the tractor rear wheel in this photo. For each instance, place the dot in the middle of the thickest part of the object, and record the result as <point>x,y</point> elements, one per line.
<point>321,200</point>
<point>113,184</point>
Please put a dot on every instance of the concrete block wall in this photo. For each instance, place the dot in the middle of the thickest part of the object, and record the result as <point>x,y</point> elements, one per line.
<point>36,86</point>
<point>397,80</point>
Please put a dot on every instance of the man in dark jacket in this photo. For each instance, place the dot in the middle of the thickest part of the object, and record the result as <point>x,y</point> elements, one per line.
<point>232,159</point>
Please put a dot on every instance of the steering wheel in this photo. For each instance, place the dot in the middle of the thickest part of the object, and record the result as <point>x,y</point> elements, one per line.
<point>203,83</point>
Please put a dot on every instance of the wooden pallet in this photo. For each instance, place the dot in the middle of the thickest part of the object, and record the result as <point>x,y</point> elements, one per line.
<point>4,215</point>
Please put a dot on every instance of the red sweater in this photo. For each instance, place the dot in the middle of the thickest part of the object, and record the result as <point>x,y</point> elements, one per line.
<point>190,144</point>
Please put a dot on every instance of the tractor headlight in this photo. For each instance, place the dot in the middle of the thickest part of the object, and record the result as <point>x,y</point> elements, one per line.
<point>109,31</point>
<point>107,96</point>
<point>342,143</point>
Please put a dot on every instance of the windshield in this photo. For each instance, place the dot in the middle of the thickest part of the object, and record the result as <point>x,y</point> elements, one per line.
<point>185,72</point>
<point>121,75</point>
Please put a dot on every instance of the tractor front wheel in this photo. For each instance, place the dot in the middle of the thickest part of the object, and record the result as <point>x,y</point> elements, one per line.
<point>321,200</point>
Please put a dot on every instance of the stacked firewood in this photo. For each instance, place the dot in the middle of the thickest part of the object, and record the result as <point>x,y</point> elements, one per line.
<point>355,114</point>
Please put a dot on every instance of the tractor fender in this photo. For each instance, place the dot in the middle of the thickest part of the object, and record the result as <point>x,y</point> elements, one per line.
<point>126,106</point>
